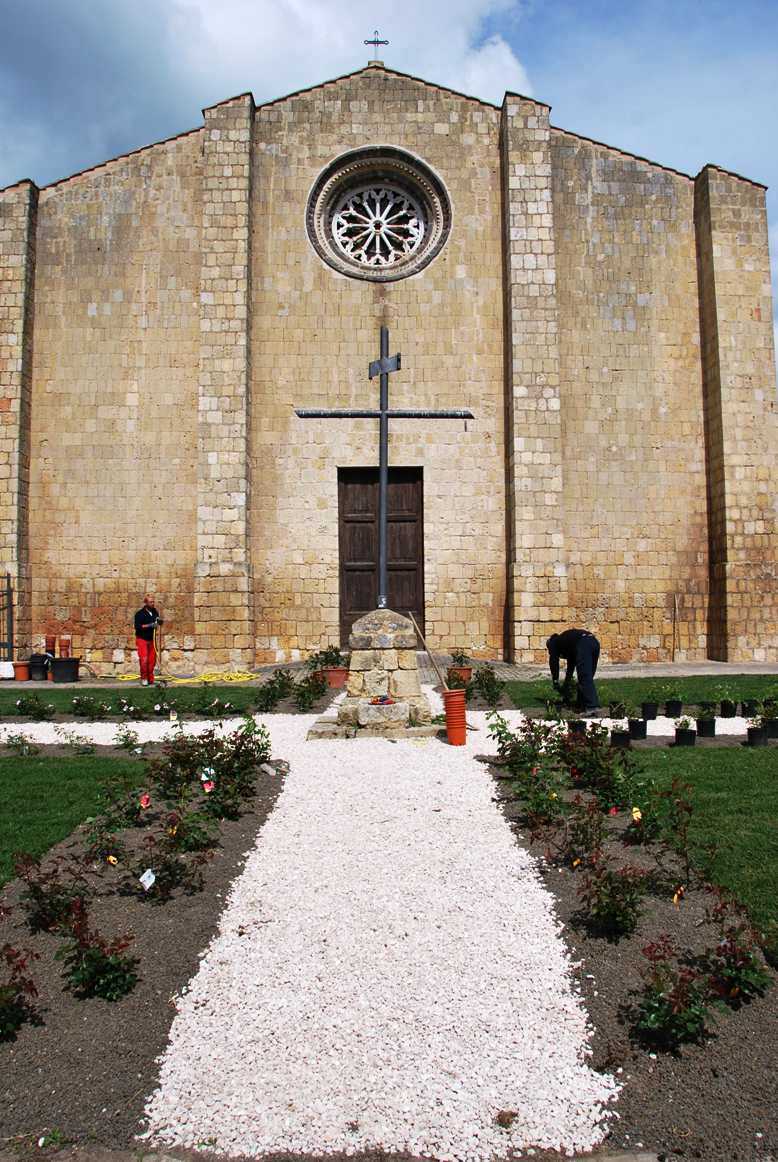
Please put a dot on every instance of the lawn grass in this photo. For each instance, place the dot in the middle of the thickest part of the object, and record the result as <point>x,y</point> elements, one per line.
<point>692,691</point>
<point>185,699</point>
<point>735,799</point>
<point>44,799</point>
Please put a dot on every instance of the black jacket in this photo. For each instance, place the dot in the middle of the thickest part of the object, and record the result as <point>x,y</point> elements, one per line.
<point>145,620</point>
<point>565,646</point>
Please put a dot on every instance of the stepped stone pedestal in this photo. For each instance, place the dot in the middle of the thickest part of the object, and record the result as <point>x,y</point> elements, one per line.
<point>383,663</point>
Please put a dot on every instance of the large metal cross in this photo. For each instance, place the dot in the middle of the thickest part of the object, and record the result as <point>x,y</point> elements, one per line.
<point>382,367</point>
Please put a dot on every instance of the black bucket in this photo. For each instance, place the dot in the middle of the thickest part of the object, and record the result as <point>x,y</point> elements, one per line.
<point>65,669</point>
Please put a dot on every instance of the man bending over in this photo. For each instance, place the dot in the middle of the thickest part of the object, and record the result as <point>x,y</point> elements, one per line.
<point>581,650</point>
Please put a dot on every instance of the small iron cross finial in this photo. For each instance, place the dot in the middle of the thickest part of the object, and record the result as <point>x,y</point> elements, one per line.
<point>375,43</point>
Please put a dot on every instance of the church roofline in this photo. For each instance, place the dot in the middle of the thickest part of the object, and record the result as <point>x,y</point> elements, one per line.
<point>20,182</point>
<point>622,152</point>
<point>731,174</point>
<point>121,157</point>
<point>375,67</point>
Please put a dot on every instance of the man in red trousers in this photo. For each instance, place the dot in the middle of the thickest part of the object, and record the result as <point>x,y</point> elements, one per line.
<point>146,619</point>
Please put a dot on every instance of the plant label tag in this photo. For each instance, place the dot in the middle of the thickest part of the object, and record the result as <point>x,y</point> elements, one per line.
<point>173,716</point>
<point>147,879</point>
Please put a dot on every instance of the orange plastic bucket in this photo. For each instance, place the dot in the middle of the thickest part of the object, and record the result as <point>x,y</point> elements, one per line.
<point>456,725</point>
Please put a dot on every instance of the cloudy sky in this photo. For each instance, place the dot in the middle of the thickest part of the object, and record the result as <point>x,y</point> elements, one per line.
<point>683,82</point>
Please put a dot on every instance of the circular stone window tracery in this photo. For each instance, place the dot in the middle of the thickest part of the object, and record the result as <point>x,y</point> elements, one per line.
<point>378,214</point>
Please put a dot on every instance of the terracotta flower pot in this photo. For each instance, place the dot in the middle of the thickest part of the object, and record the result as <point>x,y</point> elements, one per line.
<point>22,671</point>
<point>456,724</point>
<point>336,676</point>
<point>464,673</point>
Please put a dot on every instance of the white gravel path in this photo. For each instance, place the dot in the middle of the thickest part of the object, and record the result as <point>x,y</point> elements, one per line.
<point>388,973</point>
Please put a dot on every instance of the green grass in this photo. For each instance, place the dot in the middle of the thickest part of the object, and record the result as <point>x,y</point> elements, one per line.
<point>692,691</point>
<point>735,802</point>
<point>43,800</point>
<point>184,698</point>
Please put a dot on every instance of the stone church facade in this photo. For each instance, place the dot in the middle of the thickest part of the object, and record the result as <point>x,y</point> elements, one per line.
<point>607,320</point>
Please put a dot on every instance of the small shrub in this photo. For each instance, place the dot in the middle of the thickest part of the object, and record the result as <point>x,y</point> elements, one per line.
<point>127,739</point>
<point>32,706</point>
<point>94,966</point>
<point>78,743</point>
<point>328,658</point>
<point>17,990</point>
<point>735,968</point>
<point>459,658</point>
<point>584,833</point>
<point>21,745</point>
<point>309,691</point>
<point>133,710</point>
<point>488,685</point>
<point>101,841</point>
<point>673,1006</point>
<point>595,765</point>
<point>171,870</point>
<point>520,752</point>
<point>612,897</point>
<point>47,899</point>
<point>87,706</point>
<point>189,830</point>
<point>280,686</point>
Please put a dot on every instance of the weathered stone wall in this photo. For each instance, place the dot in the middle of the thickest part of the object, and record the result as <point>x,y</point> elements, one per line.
<point>18,211</point>
<point>633,449</point>
<point>537,580</point>
<point>114,407</point>
<point>741,416</point>
<point>314,333</point>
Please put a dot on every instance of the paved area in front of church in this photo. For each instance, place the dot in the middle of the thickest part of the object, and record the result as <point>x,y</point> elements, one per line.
<point>388,974</point>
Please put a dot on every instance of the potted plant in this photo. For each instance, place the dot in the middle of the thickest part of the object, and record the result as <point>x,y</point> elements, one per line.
<point>575,725</point>
<point>706,722</point>
<point>673,701</point>
<point>769,718</point>
<point>636,722</point>
<point>620,734</point>
<point>708,709</point>
<point>461,666</point>
<point>727,703</point>
<point>650,707</point>
<point>22,670</point>
<point>685,734</point>
<point>749,707</point>
<point>331,664</point>
<point>757,733</point>
<point>617,708</point>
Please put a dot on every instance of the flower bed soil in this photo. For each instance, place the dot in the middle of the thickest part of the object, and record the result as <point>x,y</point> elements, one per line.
<point>85,1072</point>
<point>716,1101</point>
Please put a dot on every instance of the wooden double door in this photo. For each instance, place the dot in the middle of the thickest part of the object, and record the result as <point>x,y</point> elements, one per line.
<point>358,541</point>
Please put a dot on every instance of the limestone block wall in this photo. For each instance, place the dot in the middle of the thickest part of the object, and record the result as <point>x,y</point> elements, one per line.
<point>223,589</point>
<point>114,400</point>
<point>632,454</point>
<point>741,415</point>
<point>537,572</point>
<point>314,333</point>
<point>18,211</point>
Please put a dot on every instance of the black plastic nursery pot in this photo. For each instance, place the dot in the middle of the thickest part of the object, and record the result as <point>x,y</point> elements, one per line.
<point>757,736</point>
<point>748,707</point>
<point>38,667</point>
<point>576,726</point>
<point>637,728</point>
<point>706,727</point>
<point>65,669</point>
<point>728,708</point>
<point>771,726</point>
<point>685,737</point>
<point>616,709</point>
<point>620,739</point>
<point>673,707</point>
<point>649,710</point>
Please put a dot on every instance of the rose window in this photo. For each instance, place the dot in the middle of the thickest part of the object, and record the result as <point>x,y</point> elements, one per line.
<point>378,214</point>
<point>378,225</point>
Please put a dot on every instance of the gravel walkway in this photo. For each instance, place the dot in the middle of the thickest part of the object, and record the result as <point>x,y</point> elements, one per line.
<point>388,974</point>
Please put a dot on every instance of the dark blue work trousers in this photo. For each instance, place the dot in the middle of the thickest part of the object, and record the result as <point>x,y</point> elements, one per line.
<point>587,655</point>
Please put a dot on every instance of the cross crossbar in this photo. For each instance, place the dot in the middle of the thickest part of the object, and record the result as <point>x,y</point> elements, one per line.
<point>382,367</point>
